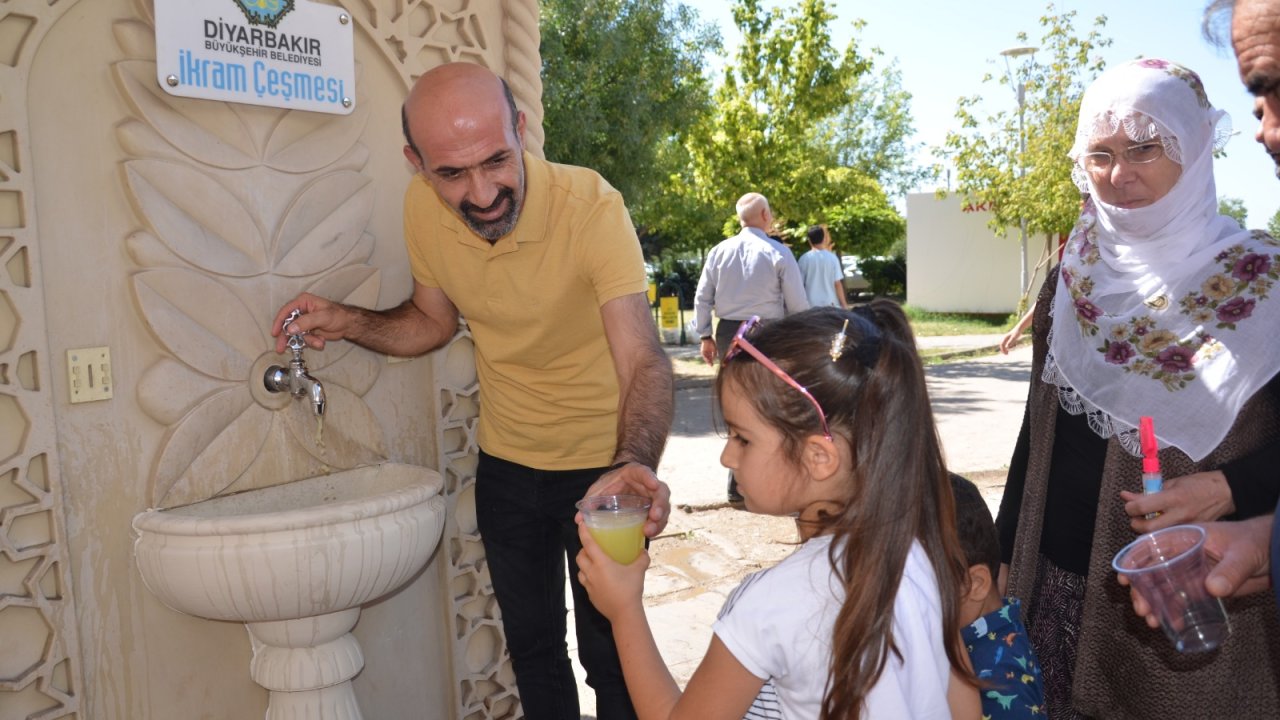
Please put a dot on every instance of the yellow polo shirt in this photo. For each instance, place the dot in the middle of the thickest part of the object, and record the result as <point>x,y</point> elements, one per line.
<point>548,387</point>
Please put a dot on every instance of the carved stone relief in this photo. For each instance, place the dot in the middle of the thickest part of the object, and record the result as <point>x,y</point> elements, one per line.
<point>241,207</point>
<point>502,35</point>
<point>39,664</point>
<point>310,241</point>
<point>230,224</point>
<point>485,682</point>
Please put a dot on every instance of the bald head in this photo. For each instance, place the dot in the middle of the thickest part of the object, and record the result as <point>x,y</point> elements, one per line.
<point>461,79</point>
<point>464,135</point>
<point>753,211</point>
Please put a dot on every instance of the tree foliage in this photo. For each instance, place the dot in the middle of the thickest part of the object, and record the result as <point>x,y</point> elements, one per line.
<point>1273,225</point>
<point>622,81</point>
<point>873,132</point>
<point>1034,185</point>
<point>1234,207</point>
<point>773,129</point>
<point>792,117</point>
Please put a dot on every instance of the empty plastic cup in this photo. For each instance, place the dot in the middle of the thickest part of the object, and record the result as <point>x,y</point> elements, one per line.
<point>1168,568</point>
<point>617,523</point>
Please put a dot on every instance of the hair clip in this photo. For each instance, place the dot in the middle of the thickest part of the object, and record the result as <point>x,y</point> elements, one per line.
<point>837,342</point>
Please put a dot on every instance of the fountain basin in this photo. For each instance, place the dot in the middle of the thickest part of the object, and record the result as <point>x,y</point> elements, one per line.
<point>297,550</point>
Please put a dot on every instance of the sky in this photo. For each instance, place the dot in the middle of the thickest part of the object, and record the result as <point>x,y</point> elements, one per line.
<point>944,47</point>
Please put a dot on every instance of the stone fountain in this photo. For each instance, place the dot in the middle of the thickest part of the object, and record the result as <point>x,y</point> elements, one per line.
<point>294,563</point>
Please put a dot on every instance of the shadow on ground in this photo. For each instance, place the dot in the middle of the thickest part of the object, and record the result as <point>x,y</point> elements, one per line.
<point>969,386</point>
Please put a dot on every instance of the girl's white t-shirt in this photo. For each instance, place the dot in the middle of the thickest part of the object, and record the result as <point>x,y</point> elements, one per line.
<point>778,624</point>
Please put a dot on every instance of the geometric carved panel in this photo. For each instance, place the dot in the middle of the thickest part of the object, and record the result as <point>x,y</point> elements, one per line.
<point>487,688</point>
<point>39,652</point>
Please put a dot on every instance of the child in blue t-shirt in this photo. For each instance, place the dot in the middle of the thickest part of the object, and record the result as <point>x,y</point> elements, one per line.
<point>993,632</point>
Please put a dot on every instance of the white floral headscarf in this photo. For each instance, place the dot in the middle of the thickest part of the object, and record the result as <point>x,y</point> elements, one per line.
<point>1162,310</point>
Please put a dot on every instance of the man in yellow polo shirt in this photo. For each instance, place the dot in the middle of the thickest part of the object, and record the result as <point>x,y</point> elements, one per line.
<point>575,392</point>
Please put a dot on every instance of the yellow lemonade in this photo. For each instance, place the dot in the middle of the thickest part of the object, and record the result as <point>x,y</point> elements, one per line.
<point>621,543</point>
<point>617,524</point>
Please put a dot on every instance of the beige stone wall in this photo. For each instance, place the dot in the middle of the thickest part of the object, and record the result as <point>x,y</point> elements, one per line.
<point>170,230</point>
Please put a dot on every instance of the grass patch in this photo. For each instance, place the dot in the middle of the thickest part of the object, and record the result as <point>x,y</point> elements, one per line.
<point>927,324</point>
<point>940,356</point>
<point>691,368</point>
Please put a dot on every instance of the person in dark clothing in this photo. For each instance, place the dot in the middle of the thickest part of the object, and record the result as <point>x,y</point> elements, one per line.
<point>1159,308</point>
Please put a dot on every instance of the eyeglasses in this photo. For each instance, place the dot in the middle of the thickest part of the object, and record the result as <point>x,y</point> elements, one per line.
<point>1140,154</point>
<point>740,342</point>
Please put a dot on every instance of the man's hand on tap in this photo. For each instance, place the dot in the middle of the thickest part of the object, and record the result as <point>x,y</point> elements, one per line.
<point>321,320</point>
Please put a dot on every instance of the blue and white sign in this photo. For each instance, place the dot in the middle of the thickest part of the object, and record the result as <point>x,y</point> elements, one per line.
<point>293,54</point>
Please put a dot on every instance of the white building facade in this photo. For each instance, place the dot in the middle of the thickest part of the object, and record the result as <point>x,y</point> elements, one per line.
<point>957,263</point>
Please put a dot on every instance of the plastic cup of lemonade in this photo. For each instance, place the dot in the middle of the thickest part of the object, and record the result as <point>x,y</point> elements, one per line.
<point>617,523</point>
<point>1168,568</point>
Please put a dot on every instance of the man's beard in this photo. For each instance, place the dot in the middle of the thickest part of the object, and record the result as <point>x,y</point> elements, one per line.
<point>491,230</point>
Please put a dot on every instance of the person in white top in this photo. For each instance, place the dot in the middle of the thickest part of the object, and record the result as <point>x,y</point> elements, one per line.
<point>829,421</point>
<point>821,271</point>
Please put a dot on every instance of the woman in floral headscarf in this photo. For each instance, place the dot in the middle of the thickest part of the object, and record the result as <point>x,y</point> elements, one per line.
<point>1160,307</point>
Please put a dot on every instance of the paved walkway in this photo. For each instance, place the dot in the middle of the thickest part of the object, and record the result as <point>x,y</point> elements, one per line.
<point>977,404</point>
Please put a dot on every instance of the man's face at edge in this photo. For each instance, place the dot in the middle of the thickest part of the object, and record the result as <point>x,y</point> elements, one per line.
<point>1255,37</point>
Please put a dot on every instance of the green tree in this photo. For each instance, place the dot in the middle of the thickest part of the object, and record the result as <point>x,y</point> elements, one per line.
<point>873,132</point>
<point>1032,186</point>
<point>1273,225</point>
<point>772,130</point>
<point>1234,207</point>
<point>622,80</point>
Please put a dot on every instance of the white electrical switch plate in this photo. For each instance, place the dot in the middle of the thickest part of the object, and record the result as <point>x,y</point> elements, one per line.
<point>89,374</point>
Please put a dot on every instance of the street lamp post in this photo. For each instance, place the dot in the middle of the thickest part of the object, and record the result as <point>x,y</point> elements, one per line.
<point>1020,89</point>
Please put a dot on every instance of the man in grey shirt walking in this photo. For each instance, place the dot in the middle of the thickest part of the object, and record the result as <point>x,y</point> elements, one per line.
<point>747,274</point>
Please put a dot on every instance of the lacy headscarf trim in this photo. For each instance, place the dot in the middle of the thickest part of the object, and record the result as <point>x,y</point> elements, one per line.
<point>1139,127</point>
<point>1074,403</point>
